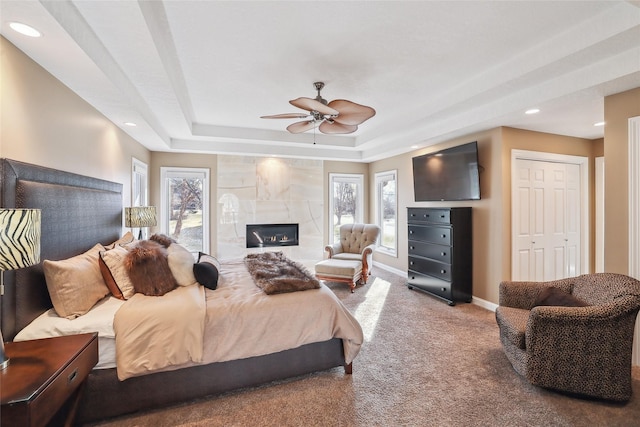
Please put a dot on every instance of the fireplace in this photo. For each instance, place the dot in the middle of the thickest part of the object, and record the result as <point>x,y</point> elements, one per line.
<point>264,235</point>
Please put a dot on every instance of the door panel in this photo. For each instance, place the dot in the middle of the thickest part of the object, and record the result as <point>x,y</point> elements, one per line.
<point>547,242</point>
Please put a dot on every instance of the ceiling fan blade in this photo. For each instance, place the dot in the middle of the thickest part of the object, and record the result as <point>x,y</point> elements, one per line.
<point>313,105</point>
<point>334,127</point>
<point>350,112</point>
<point>286,116</point>
<point>300,127</point>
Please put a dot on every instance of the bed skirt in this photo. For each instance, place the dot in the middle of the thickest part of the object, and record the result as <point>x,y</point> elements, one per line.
<point>104,396</point>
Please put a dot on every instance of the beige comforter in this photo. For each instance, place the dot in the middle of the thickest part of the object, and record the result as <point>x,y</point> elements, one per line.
<point>241,321</point>
<point>153,333</point>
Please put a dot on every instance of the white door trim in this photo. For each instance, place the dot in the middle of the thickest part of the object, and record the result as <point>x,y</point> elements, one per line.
<point>634,217</point>
<point>583,163</point>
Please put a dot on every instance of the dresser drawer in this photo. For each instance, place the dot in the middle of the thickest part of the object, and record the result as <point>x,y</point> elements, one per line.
<point>428,250</point>
<point>430,284</point>
<point>439,235</point>
<point>442,216</point>
<point>431,268</point>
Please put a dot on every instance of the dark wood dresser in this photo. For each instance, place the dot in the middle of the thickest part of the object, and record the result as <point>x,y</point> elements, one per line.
<point>44,378</point>
<point>440,252</point>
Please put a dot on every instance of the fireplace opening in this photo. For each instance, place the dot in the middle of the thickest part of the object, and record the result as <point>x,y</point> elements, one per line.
<point>263,235</point>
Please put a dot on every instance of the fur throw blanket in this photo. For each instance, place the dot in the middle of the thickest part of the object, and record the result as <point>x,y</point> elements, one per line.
<point>274,273</point>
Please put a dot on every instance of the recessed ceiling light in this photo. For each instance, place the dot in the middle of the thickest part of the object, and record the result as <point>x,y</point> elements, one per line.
<point>130,124</point>
<point>24,29</point>
<point>415,146</point>
<point>599,124</point>
<point>532,111</point>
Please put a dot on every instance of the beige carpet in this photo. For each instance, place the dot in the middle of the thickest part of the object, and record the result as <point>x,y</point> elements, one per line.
<point>423,363</point>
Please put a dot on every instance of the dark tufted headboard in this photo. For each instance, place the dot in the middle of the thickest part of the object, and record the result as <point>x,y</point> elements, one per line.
<point>77,212</point>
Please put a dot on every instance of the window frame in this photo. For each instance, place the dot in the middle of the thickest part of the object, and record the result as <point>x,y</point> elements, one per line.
<point>351,178</point>
<point>184,172</point>
<point>380,177</point>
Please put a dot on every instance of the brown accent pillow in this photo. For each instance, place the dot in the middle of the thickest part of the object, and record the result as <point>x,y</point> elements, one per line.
<point>114,274</point>
<point>557,297</point>
<point>75,284</point>
<point>163,239</point>
<point>148,268</point>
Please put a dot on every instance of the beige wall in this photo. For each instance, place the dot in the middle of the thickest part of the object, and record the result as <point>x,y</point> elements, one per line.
<point>491,214</point>
<point>45,123</point>
<point>487,212</point>
<point>617,111</point>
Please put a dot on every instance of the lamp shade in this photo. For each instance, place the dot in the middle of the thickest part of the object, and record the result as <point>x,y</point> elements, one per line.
<point>19,238</point>
<point>140,216</point>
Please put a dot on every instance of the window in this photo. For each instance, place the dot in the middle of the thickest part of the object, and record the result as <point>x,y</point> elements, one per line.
<point>139,190</point>
<point>387,212</point>
<point>184,210</point>
<point>346,202</point>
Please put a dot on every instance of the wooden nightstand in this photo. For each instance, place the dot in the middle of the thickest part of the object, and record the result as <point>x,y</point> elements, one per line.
<point>43,376</point>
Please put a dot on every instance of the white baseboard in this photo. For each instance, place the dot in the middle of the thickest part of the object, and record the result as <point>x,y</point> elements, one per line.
<point>484,303</point>
<point>475,300</point>
<point>400,273</point>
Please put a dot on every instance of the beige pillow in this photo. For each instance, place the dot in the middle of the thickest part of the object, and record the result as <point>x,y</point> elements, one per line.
<point>75,284</point>
<point>114,273</point>
<point>181,264</point>
<point>126,238</point>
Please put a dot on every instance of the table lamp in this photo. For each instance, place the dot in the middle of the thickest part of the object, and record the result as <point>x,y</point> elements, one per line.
<point>19,248</point>
<point>140,216</point>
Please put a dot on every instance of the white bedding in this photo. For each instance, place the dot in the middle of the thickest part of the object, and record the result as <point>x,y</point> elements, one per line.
<point>99,319</point>
<point>241,321</point>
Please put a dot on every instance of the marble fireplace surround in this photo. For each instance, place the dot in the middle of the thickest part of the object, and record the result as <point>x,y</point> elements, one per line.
<point>269,190</point>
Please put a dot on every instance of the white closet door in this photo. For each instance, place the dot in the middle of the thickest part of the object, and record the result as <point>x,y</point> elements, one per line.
<point>546,218</point>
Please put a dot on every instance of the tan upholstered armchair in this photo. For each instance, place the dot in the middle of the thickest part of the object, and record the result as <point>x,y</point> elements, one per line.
<point>357,242</point>
<point>579,350</point>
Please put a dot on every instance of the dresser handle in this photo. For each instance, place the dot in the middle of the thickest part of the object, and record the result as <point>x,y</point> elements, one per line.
<point>443,271</point>
<point>410,262</point>
<point>443,253</point>
<point>444,236</point>
<point>72,376</point>
<point>410,231</point>
<point>412,247</point>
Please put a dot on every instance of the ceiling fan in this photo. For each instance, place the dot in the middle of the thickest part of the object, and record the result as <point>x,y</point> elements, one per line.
<point>336,117</point>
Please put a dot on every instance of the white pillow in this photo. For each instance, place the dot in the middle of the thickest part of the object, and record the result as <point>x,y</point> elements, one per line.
<point>181,264</point>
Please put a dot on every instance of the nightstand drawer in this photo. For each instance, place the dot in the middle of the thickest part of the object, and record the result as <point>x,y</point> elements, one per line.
<point>42,375</point>
<point>57,392</point>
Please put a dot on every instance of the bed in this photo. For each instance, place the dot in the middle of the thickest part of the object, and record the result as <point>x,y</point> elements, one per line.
<point>77,213</point>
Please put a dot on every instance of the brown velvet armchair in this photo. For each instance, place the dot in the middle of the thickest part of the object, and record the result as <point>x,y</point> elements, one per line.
<point>357,242</point>
<point>579,350</point>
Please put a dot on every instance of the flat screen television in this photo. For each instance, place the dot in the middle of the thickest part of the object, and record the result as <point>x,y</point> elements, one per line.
<point>449,174</point>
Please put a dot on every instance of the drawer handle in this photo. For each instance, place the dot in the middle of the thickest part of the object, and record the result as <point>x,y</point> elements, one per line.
<point>410,231</point>
<point>411,263</point>
<point>443,289</point>
<point>444,236</point>
<point>443,271</point>
<point>412,247</point>
<point>441,216</point>
<point>72,376</point>
<point>443,253</point>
